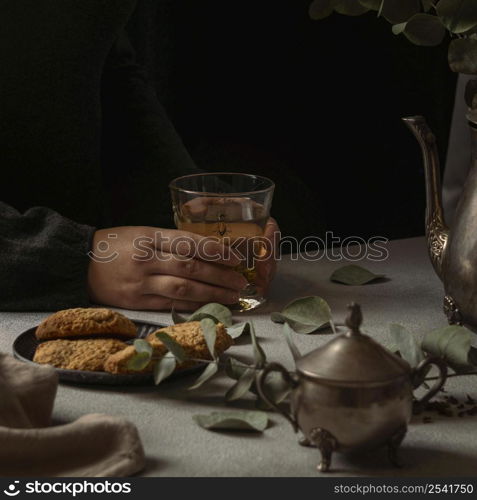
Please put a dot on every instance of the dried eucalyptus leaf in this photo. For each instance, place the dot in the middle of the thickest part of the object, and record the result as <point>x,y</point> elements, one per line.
<point>233,420</point>
<point>221,313</point>
<point>288,332</point>
<point>142,345</point>
<point>406,344</point>
<point>208,373</point>
<point>350,8</point>
<point>458,16</point>
<point>202,315</point>
<point>397,29</point>
<point>242,386</point>
<point>210,334</point>
<point>164,367</point>
<point>236,331</point>
<point>174,348</point>
<point>399,11</point>
<point>453,343</point>
<point>427,5</point>
<point>275,385</point>
<point>139,361</point>
<point>177,318</point>
<point>234,368</point>
<point>425,30</point>
<point>463,55</point>
<point>258,354</point>
<point>354,275</point>
<point>371,4</point>
<point>319,9</point>
<point>305,315</point>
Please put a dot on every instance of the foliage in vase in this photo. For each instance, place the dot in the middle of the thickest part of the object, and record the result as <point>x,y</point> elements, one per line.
<point>423,22</point>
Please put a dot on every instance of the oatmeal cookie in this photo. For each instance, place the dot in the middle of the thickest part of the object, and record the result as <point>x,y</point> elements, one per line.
<point>188,335</point>
<point>85,354</point>
<point>86,322</point>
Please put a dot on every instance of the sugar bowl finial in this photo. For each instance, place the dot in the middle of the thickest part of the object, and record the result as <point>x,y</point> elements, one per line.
<point>354,319</point>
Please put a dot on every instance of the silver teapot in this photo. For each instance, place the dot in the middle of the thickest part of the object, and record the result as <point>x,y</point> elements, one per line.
<point>453,252</point>
<point>352,394</point>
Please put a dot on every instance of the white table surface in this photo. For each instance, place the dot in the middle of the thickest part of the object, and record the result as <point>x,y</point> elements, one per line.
<point>176,446</point>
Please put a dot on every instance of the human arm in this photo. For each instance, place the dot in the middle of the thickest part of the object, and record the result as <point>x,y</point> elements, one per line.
<point>141,150</point>
<point>43,260</point>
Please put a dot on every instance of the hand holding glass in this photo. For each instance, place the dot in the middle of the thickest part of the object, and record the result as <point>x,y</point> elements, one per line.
<point>232,208</point>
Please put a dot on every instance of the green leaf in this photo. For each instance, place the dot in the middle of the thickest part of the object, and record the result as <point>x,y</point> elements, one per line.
<point>258,354</point>
<point>454,344</point>
<point>221,313</point>
<point>275,385</point>
<point>208,373</point>
<point>233,420</point>
<point>458,16</point>
<point>202,315</point>
<point>210,334</point>
<point>234,368</point>
<point>139,361</point>
<point>174,348</point>
<point>463,56</point>
<point>177,318</point>
<point>288,332</point>
<point>319,9</point>
<point>350,8</point>
<point>399,28</point>
<point>142,345</point>
<point>305,315</point>
<point>406,344</point>
<point>235,331</point>
<point>423,29</point>
<point>164,367</point>
<point>371,4</point>
<point>242,386</point>
<point>399,11</point>
<point>354,275</point>
<point>427,5</point>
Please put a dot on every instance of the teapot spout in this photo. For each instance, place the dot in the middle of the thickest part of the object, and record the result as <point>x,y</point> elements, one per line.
<point>437,232</point>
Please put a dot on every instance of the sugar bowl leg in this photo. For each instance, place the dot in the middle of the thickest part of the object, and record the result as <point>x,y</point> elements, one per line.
<point>393,445</point>
<point>326,443</point>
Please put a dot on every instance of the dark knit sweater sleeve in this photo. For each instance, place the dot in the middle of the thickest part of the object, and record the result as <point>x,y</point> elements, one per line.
<point>142,151</point>
<point>43,260</point>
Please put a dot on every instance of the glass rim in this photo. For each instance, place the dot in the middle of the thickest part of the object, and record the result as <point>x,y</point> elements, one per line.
<point>172,185</point>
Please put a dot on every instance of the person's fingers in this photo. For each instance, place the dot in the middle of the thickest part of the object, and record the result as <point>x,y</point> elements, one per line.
<point>186,244</point>
<point>265,275</point>
<point>183,289</point>
<point>157,303</point>
<point>272,233</point>
<point>194,269</point>
<point>266,267</point>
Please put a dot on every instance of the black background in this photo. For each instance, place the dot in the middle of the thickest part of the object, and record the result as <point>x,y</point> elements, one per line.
<point>257,86</point>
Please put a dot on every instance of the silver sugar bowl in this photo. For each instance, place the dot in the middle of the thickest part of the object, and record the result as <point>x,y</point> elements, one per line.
<point>352,394</point>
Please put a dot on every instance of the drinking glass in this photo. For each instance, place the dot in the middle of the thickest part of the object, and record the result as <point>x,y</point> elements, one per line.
<point>233,208</point>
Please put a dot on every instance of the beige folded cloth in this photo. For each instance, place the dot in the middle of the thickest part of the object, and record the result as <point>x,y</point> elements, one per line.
<point>92,446</point>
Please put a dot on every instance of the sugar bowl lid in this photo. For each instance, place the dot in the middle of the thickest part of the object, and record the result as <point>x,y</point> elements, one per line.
<point>353,357</point>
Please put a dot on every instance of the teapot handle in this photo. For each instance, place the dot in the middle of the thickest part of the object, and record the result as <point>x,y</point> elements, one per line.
<point>276,367</point>
<point>420,373</point>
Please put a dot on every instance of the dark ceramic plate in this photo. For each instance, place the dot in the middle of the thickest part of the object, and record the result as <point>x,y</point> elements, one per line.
<point>26,343</point>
